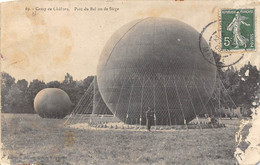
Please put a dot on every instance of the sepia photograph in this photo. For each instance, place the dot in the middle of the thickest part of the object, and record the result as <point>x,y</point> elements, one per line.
<point>130,82</point>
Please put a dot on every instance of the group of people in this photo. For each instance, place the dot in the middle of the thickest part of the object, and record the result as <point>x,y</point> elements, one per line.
<point>150,118</point>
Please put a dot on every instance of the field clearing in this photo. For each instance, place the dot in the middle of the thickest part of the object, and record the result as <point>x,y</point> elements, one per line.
<point>27,138</point>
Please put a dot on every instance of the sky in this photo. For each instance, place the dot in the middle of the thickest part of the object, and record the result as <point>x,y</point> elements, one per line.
<point>48,44</point>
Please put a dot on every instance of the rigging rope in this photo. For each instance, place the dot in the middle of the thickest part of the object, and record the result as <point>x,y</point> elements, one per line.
<point>191,102</point>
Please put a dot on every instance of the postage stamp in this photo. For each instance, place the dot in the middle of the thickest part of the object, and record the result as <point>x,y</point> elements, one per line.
<point>237,29</point>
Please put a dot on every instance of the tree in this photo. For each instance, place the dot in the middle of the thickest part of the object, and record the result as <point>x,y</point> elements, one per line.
<point>246,93</point>
<point>22,85</point>
<point>53,84</point>
<point>6,83</point>
<point>25,104</point>
<point>230,80</point>
<point>219,64</point>
<point>34,87</point>
<point>68,79</point>
<point>70,87</point>
<point>15,100</point>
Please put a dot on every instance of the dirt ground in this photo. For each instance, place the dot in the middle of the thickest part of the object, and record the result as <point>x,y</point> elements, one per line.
<point>27,138</point>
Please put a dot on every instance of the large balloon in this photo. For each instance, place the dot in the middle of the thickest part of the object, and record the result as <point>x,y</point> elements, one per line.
<point>52,103</point>
<point>156,64</point>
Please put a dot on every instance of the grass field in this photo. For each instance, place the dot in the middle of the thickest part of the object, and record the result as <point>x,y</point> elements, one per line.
<point>28,138</point>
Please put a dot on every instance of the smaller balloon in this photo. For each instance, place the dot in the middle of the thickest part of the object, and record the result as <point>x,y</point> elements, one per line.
<point>52,103</point>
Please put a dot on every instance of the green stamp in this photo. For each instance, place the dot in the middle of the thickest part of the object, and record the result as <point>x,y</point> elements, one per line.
<point>237,29</point>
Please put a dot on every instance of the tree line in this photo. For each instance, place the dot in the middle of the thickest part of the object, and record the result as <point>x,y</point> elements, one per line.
<point>241,89</point>
<point>237,88</point>
<point>18,96</point>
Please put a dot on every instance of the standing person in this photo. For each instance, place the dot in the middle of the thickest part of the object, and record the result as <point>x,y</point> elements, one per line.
<point>149,118</point>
